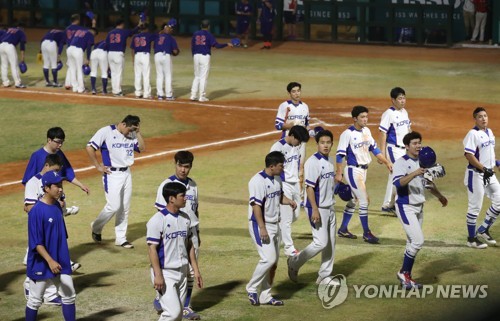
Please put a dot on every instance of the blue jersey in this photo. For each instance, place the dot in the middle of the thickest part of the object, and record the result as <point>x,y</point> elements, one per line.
<point>2,32</point>
<point>59,36</point>
<point>83,39</point>
<point>37,161</point>
<point>141,42</point>
<point>117,38</point>
<point>46,227</point>
<point>243,18</point>
<point>165,43</point>
<point>267,14</point>
<point>70,32</point>
<point>101,45</point>
<point>203,41</point>
<point>14,36</point>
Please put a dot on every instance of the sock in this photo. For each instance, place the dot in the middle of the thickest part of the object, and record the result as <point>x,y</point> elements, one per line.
<point>46,74</point>
<point>105,85</point>
<point>69,312</point>
<point>407,263</point>
<point>363,217</point>
<point>92,82</point>
<point>471,229</point>
<point>188,296</point>
<point>345,220</point>
<point>54,75</point>
<point>31,314</point>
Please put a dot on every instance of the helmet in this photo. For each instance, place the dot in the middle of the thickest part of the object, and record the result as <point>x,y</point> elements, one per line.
<point>86,70</point>
<point>427,157</point>
<point>22,67</point>
<point>59,65</point>
<point>343,191</point>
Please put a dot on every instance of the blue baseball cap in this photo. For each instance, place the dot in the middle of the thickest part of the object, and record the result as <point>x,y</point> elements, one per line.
<point>51,177</point>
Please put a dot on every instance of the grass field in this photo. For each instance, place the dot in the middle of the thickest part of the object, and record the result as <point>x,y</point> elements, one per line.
<point>113,283</point>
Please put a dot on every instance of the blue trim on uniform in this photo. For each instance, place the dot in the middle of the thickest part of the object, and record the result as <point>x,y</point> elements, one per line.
<point>350,175</point>
<point>105,182</point>
<point>339,159</point>
<point>256,233</point>
<point>396,181</point>
<point>255,200</point>
<point>375,151</point>
<point>470,180</point>
<point>391,154</point>
<point>402,214</point>
<point>166,212</point>
<point>152,240</point>
<point>309,183</point>
<point>263,174</point>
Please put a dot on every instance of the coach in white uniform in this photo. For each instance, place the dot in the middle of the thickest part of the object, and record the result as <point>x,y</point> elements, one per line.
<point>117,144</point>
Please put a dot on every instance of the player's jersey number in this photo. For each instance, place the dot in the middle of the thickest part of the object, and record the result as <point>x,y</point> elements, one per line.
<point>140,42</point>
<point>200,40</point>
<point>115,38</point>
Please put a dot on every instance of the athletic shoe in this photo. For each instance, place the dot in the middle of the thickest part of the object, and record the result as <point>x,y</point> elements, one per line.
<point>253,298</point>
<point>275,302</point>
<point>390,210</point>
<point>265,47</point>
<point>56,84</point>
<point>120,94</point>
<point>294,252</point>
<point>293,274</point>
<point>189,314</point>
<point>48,84</point>
<point>138,96</point>
<point>474,243</point>
<point>170,98</point>
<point>407,282</point>
<point>161,98</point>
<point>75,266</point>
<point>94,92</point>
<point>96,237</point>
<point>157,306</point>
<point>127,245</point>
<point>245,46</point>
<point>345,233</point>
<point>370,238</point>
<point>73,210</point>
<point>487,237</point>
<point>327,281</point>
<point>203,99</point>
<point>193,98</point>
<point>57,301</point>
<point>68,87</point>
<point>21,86</point>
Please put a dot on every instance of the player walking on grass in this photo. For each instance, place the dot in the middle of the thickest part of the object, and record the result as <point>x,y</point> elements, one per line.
<point>48,256</point>
<point>411,185</point>
<point>320,201</point>
<point>171,252</point>
<point>263,223</point>
<point>290,147</point>
<point>479,150</point>
<point>8,55</point>
<point>51,47</point>
<point>355,144</point>
<point>117,144</point>
<point>165,47</point>
<point>183,163</point>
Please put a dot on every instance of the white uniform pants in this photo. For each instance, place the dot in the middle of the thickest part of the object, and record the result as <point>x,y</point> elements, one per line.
<point>479,26</point>
<point>172,300</point>
<point>75,63</point>
<point>50,291</point>
<point>196,244</point>
<point>412,217</point>
<point>269,254</point>
<point>163,63</point>
<point>356,178</point>
<point>99,58</point>
<point>475,191</point>
<point>393,153</point>
<point>49,54</point>
<point>64,284</point>
<point>142,70</point>
<point>116,61</point>
<point>288,216</point>
<point>201,70</point>
<point>8,56</point>
<point>323,235</point>
<point>118,191</point>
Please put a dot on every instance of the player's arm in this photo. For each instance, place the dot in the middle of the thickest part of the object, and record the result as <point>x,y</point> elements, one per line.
<point>83,187</point>
<point>434,191</point>
<point>383,143</point>
<point>28,207</point>
<point>159,281</point>
<point>311,197</point>
<point>93,159</point>
<point>400,181</point>
<point>286,201</point>
<point>53,265</point>
<point>381,158</point>
<point>340,168</point>
<point>257,212</point>
<point>194,264</point>
<point>474,161</point>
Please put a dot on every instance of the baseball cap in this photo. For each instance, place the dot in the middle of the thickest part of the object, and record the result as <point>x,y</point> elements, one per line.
<point>172,23</point>
<point>51,177</point>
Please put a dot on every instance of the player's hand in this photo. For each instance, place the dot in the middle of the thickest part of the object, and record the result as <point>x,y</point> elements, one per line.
<point>419,171</point>
<point>85,189</point>
<point>159,283</point>
<point>199,280</point>
<point>264,236</point>
<point>315,218</point>
<point>389,166</point>
<point>338,178</point>
<point>443,200</point>
<point>103,169</point>
<point>293,205</point>
<point>54,267</point>
<point>379,161</point>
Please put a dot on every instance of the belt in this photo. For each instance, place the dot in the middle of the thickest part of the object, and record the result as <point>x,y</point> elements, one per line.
<point>360,166</point>
<point>118,169</point>
<point>396,145</point>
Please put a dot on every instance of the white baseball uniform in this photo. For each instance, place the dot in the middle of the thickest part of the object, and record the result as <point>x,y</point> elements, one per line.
<point>117,153</point>
<point>265,191</point>
<point>395,124</point>
<point>49,53</point>
<point>171,232</point>
<point>299,114</point>
<point>8,56</point>
<point>99,58</point>
<point>319,174</point>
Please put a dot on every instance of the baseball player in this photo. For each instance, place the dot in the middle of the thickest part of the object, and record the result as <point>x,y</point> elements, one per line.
<point>165,46</point>
<point>183,164</point>
<point>117,144</point>
<point>99,59</point>
<point>263,224</point>
<point>355,144</point>
<point>290,17</point>
<point>141,48</point>
<point>48,256</point>
<point>82,41</point>
<point>243,16</point>
<point>8,55</point>
<point>320,201</point>
<point>116,40</point>
<point>290,147</point>
<point>201,45</point>
<point>394,125</point>
<point>479,150</point>
<point>411,185</point>
<point>266,14</point>
<point>171,251</point>
<point>51,48</point>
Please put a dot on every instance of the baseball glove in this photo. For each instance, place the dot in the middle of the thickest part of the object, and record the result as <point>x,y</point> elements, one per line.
<point>435,171</point>
<point>236,42</point>
<point>487,173</point>
<point>39,58</point>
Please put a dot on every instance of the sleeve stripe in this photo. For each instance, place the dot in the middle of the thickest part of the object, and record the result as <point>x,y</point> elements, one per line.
<point>151,240</point>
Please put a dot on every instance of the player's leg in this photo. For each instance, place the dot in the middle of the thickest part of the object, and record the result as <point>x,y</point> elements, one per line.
<point>79,71</point>
<point>4,63</point>
<point>121,218</point>
<point>357,178</point>
<point>268,280</point>
<point>120,68</point>
<point>159,75</point>
<point>53,63</point>
<point>50,296</point>
<point>113,185</point>
<point>188,312</point>
<point>168,70</point>
<point>138,75</point>
<point>493,192</point>
<point>103,63</point>
<point>44,48</point>
<point>171,299</point>
<point>14,62</point>
<point>393,154</point>
<point>146,75</point>
<point>196,81</point>
<point>204,71</point>
<point>286,218</point>
<point>475,193</point>
<point>64,284</point>
<point>328,253</point>
<point>94,64</point>
<point>71,62</point>
<point>35,299</point>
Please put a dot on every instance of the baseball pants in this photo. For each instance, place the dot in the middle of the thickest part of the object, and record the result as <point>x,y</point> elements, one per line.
<point>49,54</point>
<point>323,234</point>
<point>288,216</point>
<point>393,153</point>
<point>479,26</point>
<point>142,70</point>
<point>50,290</point>
<point>356,178</point>
<point>69,72</point>
<point>201,70</point>
<point>118,191</point>
<point>99,59</point>
<point>75,62</point>
<point>116,61</point>
<point>172,299</point>
<point>64,285</point>
<point>196,244</point>
<point>411,217</point>
<point>8,56</point>
<point>269,254</point>
<point>163,64</point>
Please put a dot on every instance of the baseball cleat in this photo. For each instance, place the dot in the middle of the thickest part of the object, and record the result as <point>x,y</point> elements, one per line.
<point>96,237</point>
<point>57,301</point>
<point>293,274</point>
<point>120,94</point>
<point>253,298</point>
<point>474,243</point>
<point>56,84</point>
<point>193,98</point>
<point>486,237</point>
<point>407,282</point>
<point>203,99</point>
<point>94,92</point>
<point>345,233</point>
<point>275,302</point>
<point>157,306</point>
<point>189,314</point>
<point>68,87</point>
<point>48,84</point>
<point>127,245</point>
<point>140,96</point>
<point>75,266</point>
<point>329,281</point>
<point>161,98</point>
<point>370,238</point>
<point>389,210</point>
<point>170,98</point>
<point>21,86</point>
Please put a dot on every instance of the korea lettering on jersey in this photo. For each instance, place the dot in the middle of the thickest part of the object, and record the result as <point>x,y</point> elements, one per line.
<point>33,190</point>
<point>356,145</point>
<point>319,174</point>
<point>481,143</point>
<point>288,111</point>
<point>171,232</point>
<point>396,124</point>
<point>116,149</point>
<point>191,207</point>
<point>290,173</point>
<point>414,192</point>
<point>265,191</point>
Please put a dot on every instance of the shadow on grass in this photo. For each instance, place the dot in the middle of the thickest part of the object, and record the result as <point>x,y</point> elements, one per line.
<point>9,277</point>
<point>211,296</point>
<point>91,280</point>
<point>41,316</point>
<point>442,266</point>
<point>350,264</point>
<point>103,315</point>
